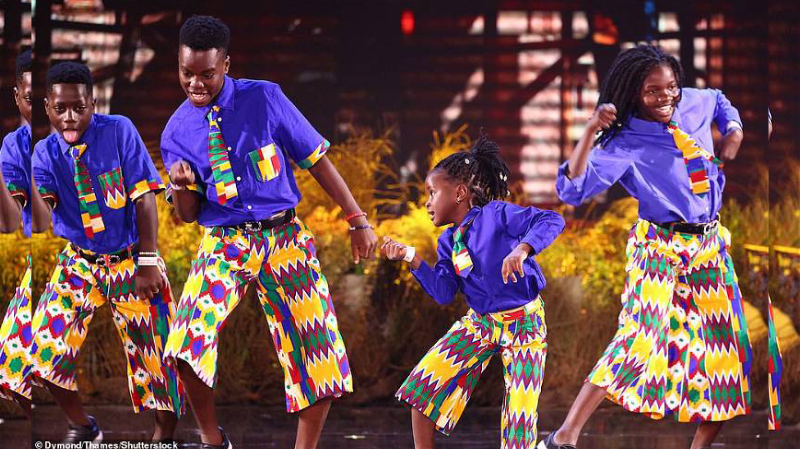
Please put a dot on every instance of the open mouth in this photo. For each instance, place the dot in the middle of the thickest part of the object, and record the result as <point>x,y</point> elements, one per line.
<point>71,135</point>
<point>665,110</point>
<point>198,97</point>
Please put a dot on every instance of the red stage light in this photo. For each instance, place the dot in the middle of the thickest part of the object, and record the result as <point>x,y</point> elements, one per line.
<point>407,22</point>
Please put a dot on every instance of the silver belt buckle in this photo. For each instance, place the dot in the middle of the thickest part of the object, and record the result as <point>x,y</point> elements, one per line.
<point>710,226</point>
<point>251,226</point>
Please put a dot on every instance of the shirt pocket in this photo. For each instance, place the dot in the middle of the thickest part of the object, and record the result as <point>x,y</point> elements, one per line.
<point>113,188</point>
<point>266,162</point>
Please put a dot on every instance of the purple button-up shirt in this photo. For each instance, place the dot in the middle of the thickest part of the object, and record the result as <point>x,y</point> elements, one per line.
<point>497,228</point>
<point>15,157</point>
<point>263,130</point>
<point>114,150</point>
<point>643,157</point>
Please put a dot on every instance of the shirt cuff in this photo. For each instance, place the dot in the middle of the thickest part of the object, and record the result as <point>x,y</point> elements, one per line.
<point>196,188</point>
<point>19,193</point>
<point>535,244</point>
<point>48,195</point>
<point>145,186</point>
<point>315,156</point>
<point>564,178</point>
<point>732,126</point>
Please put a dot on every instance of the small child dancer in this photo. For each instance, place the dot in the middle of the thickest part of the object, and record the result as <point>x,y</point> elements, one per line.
<point>490,243</point>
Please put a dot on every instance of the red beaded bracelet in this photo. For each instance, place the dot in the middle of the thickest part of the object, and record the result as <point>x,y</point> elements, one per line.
<point>355,215</point>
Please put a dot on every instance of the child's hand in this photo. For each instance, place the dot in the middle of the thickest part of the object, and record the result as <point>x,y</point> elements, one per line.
<point>393,250</point>
<point>181,174</point>
<point>603,117</point>
<point>513,262</point>
<point>148,282</point>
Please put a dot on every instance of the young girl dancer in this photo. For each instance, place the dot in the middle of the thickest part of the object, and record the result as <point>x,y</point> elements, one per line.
<point>682,346</point>
<point>491,243</point>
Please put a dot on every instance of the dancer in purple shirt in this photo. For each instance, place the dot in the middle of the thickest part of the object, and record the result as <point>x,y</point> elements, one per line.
<point>681,347</point>
<point>490,243</point>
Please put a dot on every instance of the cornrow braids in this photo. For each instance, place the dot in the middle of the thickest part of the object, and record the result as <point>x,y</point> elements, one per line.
<point>623,83</point>
<point>481,169</point>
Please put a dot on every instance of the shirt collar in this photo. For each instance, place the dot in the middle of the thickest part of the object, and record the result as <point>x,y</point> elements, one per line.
<point>87,137</point>
<point>470,215</point>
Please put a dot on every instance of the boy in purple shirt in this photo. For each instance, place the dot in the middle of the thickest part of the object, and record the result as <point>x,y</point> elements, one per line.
<point>228,148</point>
<point>682,346</point>
<point>95,175</point>
<point>490,243</point>
<point>15,179</point>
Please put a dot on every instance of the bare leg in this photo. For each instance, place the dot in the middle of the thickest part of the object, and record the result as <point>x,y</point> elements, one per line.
<point>423,429</point>
<point>165,425</point>
<point>201,397</point>
<point>706,433</point>
<point>70,403</point>
<point>582,408</point>
<point>309,426</point>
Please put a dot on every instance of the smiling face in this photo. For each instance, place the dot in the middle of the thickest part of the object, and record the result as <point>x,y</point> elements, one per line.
<point>69,108</point>
<point>22,96</point>
<point>659,95</point>
<point>442,204</point>
<point>201,73</point>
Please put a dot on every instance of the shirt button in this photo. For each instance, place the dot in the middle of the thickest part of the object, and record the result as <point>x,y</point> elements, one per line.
<point>230,149</point>
<point>249,207</point>
<point>238,178</point>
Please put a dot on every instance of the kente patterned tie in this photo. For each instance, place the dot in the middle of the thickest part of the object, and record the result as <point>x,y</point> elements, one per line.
<point>90,210</point>
<point>461,259</point>
<point>693,156</point>
<point>218,156</point>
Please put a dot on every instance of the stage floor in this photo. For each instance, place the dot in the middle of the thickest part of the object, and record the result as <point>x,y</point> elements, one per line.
<point>382,427</point>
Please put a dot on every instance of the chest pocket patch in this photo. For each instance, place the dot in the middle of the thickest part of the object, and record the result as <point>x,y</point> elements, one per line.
<point>113,187</point>
<point>266,162</point>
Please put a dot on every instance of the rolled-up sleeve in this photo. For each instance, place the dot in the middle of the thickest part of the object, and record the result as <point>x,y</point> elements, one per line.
<point>605,167</point>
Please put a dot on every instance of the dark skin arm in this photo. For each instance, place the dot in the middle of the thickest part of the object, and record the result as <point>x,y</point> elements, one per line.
<point>148,280</point>
<point>40,210</point>
<point>731,144</point>
<point>10,209</point>
<point>186,202</point>
<point>363,241</point>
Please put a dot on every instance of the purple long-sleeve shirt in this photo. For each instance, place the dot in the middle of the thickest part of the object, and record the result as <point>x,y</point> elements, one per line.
<point>497,228</point>
<point>644,159</point>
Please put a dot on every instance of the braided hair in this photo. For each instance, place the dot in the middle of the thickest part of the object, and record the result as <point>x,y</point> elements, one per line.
<point>623,83</point>
<point>481,169</point>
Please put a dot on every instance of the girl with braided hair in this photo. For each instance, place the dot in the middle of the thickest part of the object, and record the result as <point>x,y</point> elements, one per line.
<point>681,346</point>
<point>490,243</point>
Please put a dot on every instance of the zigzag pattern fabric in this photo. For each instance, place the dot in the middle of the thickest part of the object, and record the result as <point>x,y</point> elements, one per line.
<point>682,345</point>
<point>443,381</point>
<point>91,217</point>
<point>775,372</point>
<point>296,301</point>
<point>113,187</point>
<point>65,309</point>
<point>693,156</point>
<point>221,168</point>
<point>15,341</point>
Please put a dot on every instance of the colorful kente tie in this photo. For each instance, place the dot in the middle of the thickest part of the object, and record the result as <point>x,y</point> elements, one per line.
<point>693,156</point>
<point>89,208</point>
<point>461,259</point>
<point>218,156</point>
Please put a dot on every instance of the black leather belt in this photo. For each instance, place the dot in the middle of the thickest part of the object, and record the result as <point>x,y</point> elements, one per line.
<point>107,260</point>
<point>279,219</point>
<point>690,228</point>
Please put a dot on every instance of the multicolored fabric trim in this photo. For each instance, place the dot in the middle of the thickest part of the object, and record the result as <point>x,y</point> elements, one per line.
<point>320,151</point>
